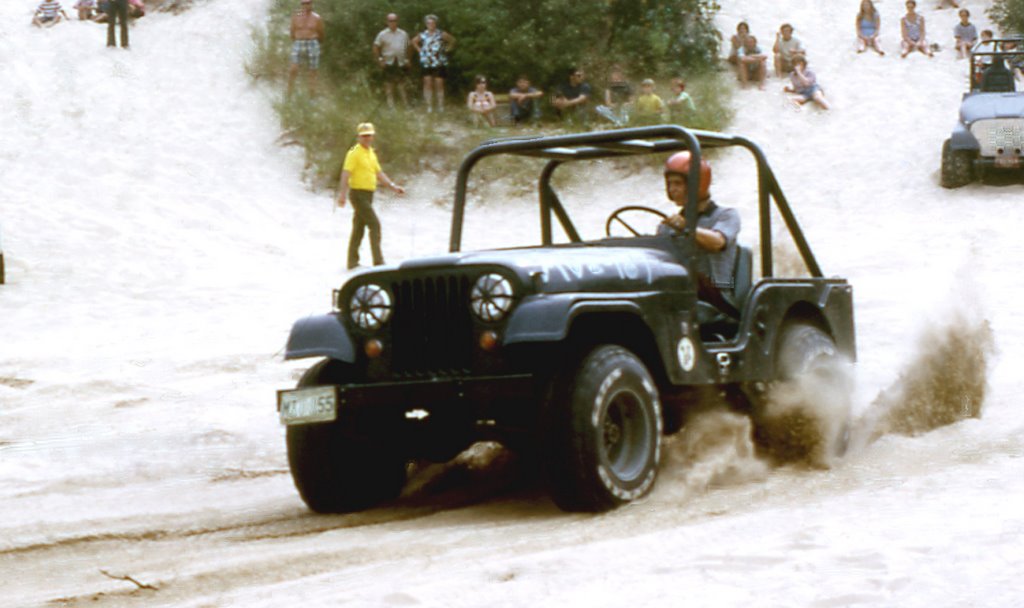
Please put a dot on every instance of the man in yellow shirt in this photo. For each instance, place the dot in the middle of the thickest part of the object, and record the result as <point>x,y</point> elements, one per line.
<point>359,177</point>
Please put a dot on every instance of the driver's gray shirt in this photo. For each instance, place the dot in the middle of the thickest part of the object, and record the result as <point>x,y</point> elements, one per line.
<point>717,265</point>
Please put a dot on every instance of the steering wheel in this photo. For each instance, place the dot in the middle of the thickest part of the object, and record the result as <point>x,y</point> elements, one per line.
<point>614,217</point>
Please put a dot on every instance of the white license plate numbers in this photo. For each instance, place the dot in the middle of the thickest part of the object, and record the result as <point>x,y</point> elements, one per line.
<point>306,405</point>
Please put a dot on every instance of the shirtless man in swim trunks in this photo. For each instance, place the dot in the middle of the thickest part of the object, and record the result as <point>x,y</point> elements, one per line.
<point>307,33</point>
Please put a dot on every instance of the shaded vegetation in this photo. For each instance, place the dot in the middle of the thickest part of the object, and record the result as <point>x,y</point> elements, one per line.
<point>1009,14</point>
<point>544,38</point>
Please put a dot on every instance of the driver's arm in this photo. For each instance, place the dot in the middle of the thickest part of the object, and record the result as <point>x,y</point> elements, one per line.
<point>710,240</point>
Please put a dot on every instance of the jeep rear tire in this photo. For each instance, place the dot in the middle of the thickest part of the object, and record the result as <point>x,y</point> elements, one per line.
<point>334,470</point>
<point>957,169</point>
<point>805,415</point>
<point>602,429</point>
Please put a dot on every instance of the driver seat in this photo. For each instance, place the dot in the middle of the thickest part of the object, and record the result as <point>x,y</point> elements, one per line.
<point>997,78</point>
<point>715,324</point>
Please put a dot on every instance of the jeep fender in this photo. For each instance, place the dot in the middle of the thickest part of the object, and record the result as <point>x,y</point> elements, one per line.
<point>320,336</point>
<point>548,318</point>
<point>963,139</point>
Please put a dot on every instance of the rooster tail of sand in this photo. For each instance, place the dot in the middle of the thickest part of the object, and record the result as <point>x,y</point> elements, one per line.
<point>944,383</point>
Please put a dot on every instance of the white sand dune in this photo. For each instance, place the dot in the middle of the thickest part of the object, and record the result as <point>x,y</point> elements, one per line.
<point>159,245</point>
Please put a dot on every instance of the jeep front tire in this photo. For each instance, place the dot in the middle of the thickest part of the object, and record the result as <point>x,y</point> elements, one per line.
<point>602,428</point>
<point>957,169</point>
<point>334,470</point>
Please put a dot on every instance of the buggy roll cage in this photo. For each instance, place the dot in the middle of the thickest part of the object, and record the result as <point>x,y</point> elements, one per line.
<point>630,142</point>
<point>997,52</point>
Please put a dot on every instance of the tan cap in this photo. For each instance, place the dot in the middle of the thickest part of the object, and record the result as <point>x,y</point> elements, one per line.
<point>365,128</point>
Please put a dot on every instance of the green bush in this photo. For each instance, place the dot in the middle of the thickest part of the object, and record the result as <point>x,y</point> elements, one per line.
<point>499,38</point>
<point>1009,14</point>
<point>544,38</point>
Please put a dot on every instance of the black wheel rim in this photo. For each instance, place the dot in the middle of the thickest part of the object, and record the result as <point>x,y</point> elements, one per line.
<point>625,435</point>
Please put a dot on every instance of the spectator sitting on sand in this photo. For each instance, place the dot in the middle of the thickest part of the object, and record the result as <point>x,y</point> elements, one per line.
<point>869,23</point>
<point>965,34</point>
<point>985,45</point>
<point>737,41</point>
<point>481,102</point>
<point>752,63</point>
<point>102,11</point>
<point>805,85</point>
<point>524,101</point>
<point>85,9</point>
<point>786,48</point>
<point>913,32</point>
<point>136,9</point>
<point>49,14</point>
<point>572,98</point>
<point>650,108</point>
<point>618,98</point>
<point>681,107</point>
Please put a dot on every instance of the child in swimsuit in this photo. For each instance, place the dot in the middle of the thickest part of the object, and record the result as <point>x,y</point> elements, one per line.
<point>481,102</point>
<point>868,24</point>
<point>912,28</point>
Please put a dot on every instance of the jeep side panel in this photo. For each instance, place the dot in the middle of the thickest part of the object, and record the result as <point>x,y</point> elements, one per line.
<point>773,303</point>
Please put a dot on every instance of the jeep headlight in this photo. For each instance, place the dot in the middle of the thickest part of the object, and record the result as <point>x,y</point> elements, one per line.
<point>370,306</point>
<point>491,297</point>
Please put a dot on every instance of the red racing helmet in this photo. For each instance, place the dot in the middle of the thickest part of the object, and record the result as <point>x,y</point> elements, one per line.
<point>680,163</point>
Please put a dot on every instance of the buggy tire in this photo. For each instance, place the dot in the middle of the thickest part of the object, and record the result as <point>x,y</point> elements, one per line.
<point>957,169</point>
<point>805,415</point>
<point>334,470</point>
<point>602,431</point>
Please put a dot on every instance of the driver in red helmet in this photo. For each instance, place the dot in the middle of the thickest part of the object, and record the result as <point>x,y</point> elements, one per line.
<point>717,229</point>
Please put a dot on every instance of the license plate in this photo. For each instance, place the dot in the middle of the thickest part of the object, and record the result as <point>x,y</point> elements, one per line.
<point>1007,162</point>
<point>306,405</point>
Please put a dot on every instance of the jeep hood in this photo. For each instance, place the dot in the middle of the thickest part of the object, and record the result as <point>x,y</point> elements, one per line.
<point>987,106</point>
<point>559,269</point>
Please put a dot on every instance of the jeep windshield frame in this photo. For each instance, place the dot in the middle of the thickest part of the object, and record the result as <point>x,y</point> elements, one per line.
<point>562,149</point>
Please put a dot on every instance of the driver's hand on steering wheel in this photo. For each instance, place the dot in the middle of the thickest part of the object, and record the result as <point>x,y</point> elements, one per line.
<point>676,222</point>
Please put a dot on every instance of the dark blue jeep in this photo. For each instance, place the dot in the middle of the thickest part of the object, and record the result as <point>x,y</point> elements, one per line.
<point>583,353</point>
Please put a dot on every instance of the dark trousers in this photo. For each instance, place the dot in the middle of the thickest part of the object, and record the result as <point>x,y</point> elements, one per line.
<point>118,10</point>
<point>363,218</point>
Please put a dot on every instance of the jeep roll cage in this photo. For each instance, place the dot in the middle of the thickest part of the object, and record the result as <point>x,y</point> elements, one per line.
<point>631,142</point>
<point>995,76</point>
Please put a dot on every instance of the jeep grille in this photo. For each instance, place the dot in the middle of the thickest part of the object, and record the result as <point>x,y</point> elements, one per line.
<point>999,136</point>
<point>431,331</point>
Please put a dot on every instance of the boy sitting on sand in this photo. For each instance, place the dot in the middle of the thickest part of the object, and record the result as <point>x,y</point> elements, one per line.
<point>649,106</point>
<point>965,34</point>
<point>49,14</point>
<point>681,107</point>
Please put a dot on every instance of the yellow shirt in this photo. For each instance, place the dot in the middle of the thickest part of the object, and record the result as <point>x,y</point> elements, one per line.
<point>363,167</point>
<point>650,104</point>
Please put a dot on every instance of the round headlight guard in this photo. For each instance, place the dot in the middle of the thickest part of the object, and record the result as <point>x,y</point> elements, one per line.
<point>491,297</point>
<point>370,306</point>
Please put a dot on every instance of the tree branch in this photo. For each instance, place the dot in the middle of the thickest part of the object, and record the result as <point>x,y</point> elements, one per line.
<point>129,579</point>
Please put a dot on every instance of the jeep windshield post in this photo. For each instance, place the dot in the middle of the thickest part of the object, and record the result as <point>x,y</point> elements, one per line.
<point>626,142</point>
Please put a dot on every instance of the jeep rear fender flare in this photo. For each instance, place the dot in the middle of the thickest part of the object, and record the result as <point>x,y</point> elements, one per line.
<point>550,318</point>
<point>320,336</point>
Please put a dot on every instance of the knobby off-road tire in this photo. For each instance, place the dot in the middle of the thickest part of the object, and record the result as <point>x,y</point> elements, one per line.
<point>602,432</point>
<point>957,169</point>
<point>805,415</point>
<point>334,470</point>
